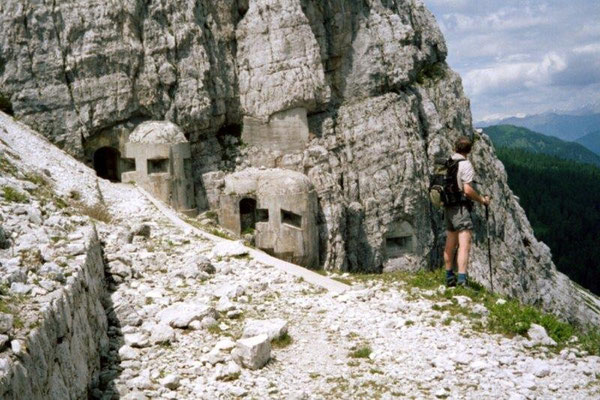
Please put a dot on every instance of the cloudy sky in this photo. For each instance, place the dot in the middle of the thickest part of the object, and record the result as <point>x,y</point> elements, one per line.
<point>523,56</point>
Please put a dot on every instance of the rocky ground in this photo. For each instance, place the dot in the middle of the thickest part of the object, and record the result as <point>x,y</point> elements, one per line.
<point>377,340</point>
<point>180,303</point>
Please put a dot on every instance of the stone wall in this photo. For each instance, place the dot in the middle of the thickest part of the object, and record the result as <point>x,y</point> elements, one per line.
<point>60,358</point>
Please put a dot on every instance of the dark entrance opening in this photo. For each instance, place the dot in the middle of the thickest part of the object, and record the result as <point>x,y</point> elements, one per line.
<point>106,163</point>
<point>247,215</point>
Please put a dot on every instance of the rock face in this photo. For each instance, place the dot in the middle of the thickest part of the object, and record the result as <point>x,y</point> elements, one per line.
<point>380,106</point>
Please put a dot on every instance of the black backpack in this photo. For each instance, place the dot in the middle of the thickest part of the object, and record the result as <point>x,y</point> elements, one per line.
<point>443,189</point>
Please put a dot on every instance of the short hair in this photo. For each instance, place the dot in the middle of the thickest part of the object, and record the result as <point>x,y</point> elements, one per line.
<point>463,145</point>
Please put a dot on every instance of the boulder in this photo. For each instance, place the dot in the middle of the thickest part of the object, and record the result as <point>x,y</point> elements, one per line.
<point>253,352</point>
<point>6,322</point>
<point>162,334</point>
<point>538,336</point>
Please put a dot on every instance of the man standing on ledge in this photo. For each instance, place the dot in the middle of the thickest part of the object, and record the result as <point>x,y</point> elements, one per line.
<point>459,223</point>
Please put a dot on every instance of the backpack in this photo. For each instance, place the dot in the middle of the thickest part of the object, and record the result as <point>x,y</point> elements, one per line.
<point>443,189</point>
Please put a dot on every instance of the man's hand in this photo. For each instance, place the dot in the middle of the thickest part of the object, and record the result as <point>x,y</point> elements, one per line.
<point>473,195</point>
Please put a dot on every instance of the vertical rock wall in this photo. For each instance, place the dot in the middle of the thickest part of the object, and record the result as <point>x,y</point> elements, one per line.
<point>381,104</point>
<point>60,358</point>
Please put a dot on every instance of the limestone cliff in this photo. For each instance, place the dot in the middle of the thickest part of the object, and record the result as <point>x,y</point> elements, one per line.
<point>370,77</point>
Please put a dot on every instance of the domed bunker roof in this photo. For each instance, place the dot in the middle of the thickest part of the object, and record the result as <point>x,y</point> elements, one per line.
<point>157,132</point>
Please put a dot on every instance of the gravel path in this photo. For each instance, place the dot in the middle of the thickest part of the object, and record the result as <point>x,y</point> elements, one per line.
<point>415,352</point>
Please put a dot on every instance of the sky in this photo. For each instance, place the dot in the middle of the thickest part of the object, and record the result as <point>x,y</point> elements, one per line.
<point>519,57</point>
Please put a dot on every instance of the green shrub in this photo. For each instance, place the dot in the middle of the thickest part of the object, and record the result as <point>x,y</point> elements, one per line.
<point>283,341</point>
<point>13,196</point>
<point>363,352</point>
<point>431,73</point>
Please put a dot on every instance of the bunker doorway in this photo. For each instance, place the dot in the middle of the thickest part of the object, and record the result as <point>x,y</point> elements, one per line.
<point>247,215</point>
<point>106,163</point>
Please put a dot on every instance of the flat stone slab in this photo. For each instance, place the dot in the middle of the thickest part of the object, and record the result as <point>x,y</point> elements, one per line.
<point>273,328</point>
<point>180,315</point>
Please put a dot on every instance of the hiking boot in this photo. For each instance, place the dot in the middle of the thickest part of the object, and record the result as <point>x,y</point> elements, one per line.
<point>450,280</point>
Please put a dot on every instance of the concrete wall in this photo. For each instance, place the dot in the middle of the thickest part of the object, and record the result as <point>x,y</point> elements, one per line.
<point>60,358</point>
<point>285,131</point>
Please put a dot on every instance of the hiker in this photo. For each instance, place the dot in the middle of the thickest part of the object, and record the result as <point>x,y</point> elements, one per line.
<point>457,216</point>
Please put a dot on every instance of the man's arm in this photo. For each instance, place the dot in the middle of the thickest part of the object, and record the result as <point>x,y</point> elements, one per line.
<point>473,195</point>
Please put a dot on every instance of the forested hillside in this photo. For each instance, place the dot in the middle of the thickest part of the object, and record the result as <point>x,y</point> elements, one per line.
<point>562,201</point>
<point>525,139</point>
<point>562,126</point>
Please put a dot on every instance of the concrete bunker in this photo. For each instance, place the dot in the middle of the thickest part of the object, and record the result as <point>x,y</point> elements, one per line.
<point>399,245</point>
<point>278,207</point>
<point>285,131</point>
<point>162,160</point>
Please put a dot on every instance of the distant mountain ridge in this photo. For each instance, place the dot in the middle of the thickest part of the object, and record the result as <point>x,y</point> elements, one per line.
<point>516,137</point>
<point>591,141</point>
<point>562,126</point>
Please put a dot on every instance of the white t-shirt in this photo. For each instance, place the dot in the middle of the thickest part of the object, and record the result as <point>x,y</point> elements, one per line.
<point>466,172</point>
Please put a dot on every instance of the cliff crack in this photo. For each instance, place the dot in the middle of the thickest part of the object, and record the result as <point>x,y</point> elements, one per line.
<point>67,78</point>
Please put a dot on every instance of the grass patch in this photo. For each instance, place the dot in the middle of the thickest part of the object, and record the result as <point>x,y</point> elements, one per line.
<point>345,281</point>
<point>282,341</point>
<point>362,352</point>
<point>248,231</point>
<point>215,329</point>
<point>213,231</point>
<point>510,319</point>
<point>13,196</point>
<point>219,233</point>
<point>36,179</point>
<point>6,166</point>
<point>97,211</point>
<point>211,215</point>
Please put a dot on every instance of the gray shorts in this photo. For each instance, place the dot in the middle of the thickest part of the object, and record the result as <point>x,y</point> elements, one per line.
<point>458,218</point>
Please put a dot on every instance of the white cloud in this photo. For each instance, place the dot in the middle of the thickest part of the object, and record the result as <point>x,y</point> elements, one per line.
<point>513,76</point>
<point>523,56</point>
<point>448,3</point>
<point>501,20</point>
<point>587,49</point>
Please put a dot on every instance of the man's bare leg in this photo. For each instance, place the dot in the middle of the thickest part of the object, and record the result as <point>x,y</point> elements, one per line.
<point>450,249</point>
<point>464,246</point>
